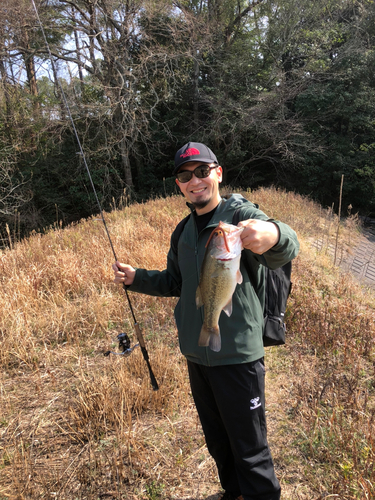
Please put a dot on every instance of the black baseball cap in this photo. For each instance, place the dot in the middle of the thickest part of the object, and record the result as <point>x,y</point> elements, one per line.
<point>193,151</point>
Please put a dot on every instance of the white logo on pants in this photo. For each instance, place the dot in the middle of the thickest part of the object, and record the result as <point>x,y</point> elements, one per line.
<point>255,403</point>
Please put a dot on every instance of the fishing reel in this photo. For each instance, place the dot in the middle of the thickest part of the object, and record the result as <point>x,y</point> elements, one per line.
<point>123,345</point>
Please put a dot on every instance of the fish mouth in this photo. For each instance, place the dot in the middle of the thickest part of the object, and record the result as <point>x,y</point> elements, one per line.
<point>220,231</point>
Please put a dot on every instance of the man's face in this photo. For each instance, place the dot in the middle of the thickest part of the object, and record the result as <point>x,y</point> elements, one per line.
<point>202,193</point>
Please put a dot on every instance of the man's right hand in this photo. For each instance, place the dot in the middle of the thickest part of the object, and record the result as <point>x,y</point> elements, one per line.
<point>123,273</point>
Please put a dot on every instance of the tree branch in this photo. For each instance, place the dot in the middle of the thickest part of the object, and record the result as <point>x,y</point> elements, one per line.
<point>236,21</point>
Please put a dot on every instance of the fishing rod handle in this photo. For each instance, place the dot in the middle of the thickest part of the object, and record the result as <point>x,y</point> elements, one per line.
<point>140,338</point>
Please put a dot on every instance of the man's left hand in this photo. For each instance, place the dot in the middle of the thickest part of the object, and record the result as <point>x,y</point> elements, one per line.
<point>259,235</point>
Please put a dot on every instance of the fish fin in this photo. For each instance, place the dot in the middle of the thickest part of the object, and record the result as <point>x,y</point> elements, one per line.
<point>198,297</point>
<point>210,336</point>
<point>228,308</point>
<point>239,277</point>
<point>215,342</point>
<point>204,336</point>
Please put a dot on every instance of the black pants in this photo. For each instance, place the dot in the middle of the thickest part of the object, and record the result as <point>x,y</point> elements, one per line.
<point>231,406</point>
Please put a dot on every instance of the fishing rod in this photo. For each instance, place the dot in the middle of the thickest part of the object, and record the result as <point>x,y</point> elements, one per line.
<point>124,342</point>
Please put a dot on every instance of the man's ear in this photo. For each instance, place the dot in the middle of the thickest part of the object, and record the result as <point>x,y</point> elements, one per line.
<point>219,172</point>
<point>178,184</point>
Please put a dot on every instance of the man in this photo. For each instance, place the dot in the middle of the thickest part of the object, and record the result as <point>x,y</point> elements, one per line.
<point>227,386</point>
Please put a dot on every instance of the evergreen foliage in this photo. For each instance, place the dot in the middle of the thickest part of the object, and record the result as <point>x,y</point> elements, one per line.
<point>281,90</point>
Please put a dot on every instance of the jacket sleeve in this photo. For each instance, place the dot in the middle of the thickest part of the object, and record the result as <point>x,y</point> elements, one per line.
<point>166,283</point>
<point>284,251</point>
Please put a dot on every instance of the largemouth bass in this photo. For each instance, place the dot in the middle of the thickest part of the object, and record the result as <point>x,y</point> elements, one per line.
<point>219,277</point>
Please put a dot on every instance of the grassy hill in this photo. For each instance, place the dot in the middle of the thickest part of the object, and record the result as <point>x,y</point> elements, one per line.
<point>77,425</point>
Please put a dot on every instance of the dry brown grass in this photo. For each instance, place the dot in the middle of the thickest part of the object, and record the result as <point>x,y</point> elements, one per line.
<point>74,424</point>
<point>333,357</point>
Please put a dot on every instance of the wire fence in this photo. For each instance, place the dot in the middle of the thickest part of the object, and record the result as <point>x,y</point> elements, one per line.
<point>357,257</point>
<point>362,263</point>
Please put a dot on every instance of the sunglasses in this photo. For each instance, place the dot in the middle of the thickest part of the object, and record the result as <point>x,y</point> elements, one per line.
<point>201,172</point>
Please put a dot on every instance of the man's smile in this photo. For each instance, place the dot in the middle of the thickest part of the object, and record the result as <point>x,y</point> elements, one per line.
<point>197,191</point>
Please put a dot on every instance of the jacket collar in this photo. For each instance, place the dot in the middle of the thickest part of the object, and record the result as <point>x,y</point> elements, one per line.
<point>233,201</point>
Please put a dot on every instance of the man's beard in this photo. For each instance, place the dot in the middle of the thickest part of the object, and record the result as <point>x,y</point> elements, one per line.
<point>200,204</point>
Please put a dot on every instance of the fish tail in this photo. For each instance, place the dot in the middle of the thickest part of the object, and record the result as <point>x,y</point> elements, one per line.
<point>210,336</point>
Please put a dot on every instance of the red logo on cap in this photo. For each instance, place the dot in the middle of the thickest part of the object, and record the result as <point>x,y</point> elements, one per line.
<point>190,152</point>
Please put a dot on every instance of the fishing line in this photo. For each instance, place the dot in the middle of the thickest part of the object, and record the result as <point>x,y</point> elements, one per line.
<point>136,326</point>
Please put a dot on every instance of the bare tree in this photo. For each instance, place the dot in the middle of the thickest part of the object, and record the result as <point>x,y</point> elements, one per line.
<point>13,187</point>
<point>16,16</point>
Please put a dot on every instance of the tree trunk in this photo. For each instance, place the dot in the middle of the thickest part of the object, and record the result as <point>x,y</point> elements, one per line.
<point>5,85</point>
<point>30,69</point>
<point>92,33</point>
<point>78,51</point>
<point>196,92</point>
<point>126,163</point>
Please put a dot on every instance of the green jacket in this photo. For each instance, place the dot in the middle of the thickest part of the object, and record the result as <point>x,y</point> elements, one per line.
<point>241,333</point>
